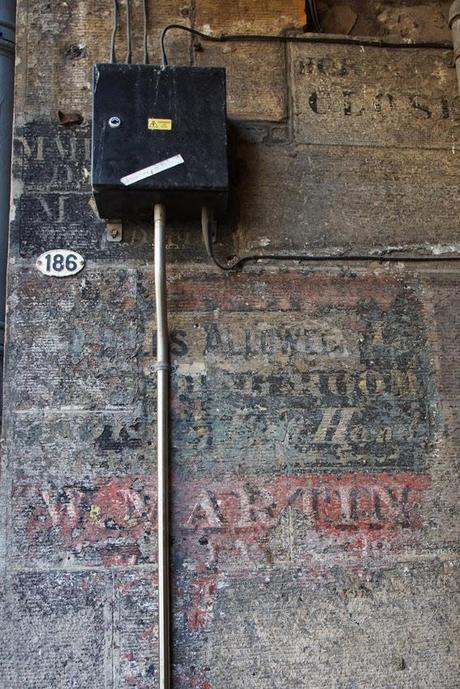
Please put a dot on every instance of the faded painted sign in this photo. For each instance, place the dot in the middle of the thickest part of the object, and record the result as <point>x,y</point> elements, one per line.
<point>291,380</point>
<point>363,96</point>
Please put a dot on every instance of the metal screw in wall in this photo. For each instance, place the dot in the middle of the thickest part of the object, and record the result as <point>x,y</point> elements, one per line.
<point>114,231</point>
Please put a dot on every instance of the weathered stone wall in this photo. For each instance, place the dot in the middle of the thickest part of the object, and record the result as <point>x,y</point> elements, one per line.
<point>314,404</point>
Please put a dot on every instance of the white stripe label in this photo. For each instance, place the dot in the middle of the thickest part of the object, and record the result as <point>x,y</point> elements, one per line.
<point>152,170</point>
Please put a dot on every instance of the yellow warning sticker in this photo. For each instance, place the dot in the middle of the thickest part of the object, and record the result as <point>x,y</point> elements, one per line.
<point>159,123</point>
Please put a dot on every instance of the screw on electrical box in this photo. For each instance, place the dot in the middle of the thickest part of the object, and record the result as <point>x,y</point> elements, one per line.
<point>114,231</point>
<point>114,121</point>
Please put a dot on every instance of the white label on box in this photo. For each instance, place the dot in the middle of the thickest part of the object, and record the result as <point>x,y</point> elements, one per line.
<point>152,170</point>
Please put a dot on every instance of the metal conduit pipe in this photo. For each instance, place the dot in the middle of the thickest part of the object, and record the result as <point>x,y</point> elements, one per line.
<point>454,23</point>
<point>162,446</point>
<point>7,42</point>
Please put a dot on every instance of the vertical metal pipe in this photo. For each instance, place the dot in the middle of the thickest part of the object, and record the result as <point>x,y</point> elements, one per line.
<point>162,446</point>
<point>7,40</point>
<point>454,23</point>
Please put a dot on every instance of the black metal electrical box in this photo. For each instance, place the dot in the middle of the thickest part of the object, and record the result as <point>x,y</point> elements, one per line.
<point>159,136</point>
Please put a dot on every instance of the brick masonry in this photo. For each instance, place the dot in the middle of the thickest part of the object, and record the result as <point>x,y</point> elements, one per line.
<point>314,405</point>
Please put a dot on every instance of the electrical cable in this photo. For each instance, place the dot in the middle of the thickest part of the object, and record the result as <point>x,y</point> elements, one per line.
<point>206,222</point>
<point>145,15</point>
<point>238,262</point>
<point>312,15</point>
<point>128,33</point>
<point>114,31</point>
<point>304,38</point>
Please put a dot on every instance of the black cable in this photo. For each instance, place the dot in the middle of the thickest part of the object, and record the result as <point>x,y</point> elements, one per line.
<point>312,15</point>
<point>236,263</point>
<point>194,32</point>
<point>145,13</point>
<point>128,33</point>
<point>114,31</point>
<point>304,38</point>
<point>206,222</point>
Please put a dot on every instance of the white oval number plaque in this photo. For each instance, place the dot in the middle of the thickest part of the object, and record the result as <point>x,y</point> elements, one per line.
<point>60,263</point>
